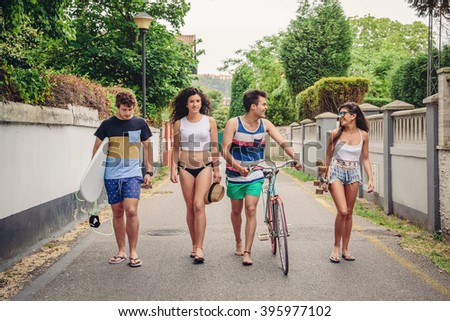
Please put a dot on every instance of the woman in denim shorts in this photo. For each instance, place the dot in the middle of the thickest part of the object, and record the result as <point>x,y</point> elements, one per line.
<point>347,145</point>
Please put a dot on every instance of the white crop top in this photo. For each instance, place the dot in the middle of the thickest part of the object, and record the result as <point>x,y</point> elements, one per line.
<point>195,136</point>
<point>349,153</point>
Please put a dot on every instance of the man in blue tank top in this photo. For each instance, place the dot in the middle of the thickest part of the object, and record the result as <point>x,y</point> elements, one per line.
<point>243,145</point>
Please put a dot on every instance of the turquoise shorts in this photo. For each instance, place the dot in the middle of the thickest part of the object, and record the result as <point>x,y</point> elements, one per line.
<point>238,191</point>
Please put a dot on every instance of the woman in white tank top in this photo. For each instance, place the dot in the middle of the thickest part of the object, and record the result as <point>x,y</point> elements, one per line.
<point>195,158</point>
<point>347,145</point>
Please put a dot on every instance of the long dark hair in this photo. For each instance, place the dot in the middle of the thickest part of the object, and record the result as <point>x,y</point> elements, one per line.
<point>179,103</point>
<point>361,121</point>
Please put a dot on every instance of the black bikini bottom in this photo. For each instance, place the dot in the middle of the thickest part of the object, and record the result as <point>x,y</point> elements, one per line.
<point>194,171</point>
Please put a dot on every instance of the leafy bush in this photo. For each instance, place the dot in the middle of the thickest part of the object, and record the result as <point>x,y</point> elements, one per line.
<point>409,84</point>
<point>24,85</point>
<point>281,109</point>
<point>307,102</point>
<point>327,94</point>
<point>68,89</point>
<point>380,102</point>
<point>221,116</point>
<point>55,90</point>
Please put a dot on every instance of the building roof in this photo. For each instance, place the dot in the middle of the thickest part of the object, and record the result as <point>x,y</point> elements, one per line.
<point>188,40</point>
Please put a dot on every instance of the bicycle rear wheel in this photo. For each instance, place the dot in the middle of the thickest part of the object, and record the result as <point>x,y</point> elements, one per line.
<point>271,225</point>
<point>282,234</point>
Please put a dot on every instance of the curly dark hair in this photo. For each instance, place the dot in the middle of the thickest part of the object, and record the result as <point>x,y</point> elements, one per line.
<point>179,103</point>
<point>125,98</point>
<point>361,121</point>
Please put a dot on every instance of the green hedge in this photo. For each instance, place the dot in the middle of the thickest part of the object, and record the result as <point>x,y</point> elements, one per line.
<point>327,94</point>
<point>32,87</point>
<point>380,102</point>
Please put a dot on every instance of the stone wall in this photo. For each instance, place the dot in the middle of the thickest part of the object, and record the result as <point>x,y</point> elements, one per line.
<point>45,152</point>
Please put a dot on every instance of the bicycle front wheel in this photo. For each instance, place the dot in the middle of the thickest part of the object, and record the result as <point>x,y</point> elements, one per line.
<point>282,234</point>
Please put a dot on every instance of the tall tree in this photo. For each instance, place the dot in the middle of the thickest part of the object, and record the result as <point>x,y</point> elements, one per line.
<point>47,16</point>
<point>100,40</point>
<point>317,44</point>
<point>409,82</point>
<point>243,80</point>
<point>267,71</point>
<point>380,46</point>
<point>424,7</point>
<point>107,47</point>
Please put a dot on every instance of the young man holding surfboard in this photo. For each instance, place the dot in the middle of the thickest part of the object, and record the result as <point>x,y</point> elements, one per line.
<point>123,175</point>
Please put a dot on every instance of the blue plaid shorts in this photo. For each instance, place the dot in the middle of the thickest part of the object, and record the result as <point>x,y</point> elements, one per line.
<point>118,189</point>
<point>347,175</point>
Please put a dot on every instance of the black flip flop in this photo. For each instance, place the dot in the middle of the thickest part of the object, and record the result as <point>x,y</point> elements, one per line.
<point>136,264</point>
<point>199,260</point>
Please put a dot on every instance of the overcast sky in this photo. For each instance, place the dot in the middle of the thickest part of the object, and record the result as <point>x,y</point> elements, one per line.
<point>228,25</point>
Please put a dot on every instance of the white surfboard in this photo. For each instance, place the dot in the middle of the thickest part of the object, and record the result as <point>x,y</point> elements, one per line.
<point>92,183</point>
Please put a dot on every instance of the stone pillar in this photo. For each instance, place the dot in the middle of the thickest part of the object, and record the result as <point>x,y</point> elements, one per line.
<point>433,214</point>
<point>292,127</point>
<point>388,141</point>
<point>369,109</point>
<point>443,148</point>
<point>303,155</point>
<point>325,122</point>
<point>444,107</point>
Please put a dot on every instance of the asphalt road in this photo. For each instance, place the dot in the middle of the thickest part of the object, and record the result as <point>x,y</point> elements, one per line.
<point>383,271</point>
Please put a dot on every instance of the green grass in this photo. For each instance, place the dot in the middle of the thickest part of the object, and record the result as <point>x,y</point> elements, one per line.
<point>299,175</point>
<point>162,173</point>
<point>412,237</point>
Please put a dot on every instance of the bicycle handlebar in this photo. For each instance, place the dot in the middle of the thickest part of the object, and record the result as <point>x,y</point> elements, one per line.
<point>273,168</point>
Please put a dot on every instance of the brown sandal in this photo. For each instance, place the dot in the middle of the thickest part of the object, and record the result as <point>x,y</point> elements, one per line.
<point>199,259</point>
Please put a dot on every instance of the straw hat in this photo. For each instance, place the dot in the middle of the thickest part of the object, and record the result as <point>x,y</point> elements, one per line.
<point>215,193</point>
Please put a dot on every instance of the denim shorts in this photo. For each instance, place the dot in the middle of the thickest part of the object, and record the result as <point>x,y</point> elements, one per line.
<point>118,189</point>
<point>347,175</point>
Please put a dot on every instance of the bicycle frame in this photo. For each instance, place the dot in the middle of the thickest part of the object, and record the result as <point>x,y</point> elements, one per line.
<point>274,215</point>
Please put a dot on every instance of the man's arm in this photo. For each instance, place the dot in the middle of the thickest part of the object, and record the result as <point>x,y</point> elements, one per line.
<point>97,144</point>
<point>148,159</point>
<point>279,139</point>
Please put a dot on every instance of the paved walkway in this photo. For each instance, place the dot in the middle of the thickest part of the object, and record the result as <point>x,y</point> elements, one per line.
<point>382,271</point>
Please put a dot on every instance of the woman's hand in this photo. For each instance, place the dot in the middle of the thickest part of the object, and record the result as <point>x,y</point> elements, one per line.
<point>216,175</point>
<point>173,176</point>
<point>370,186</point>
